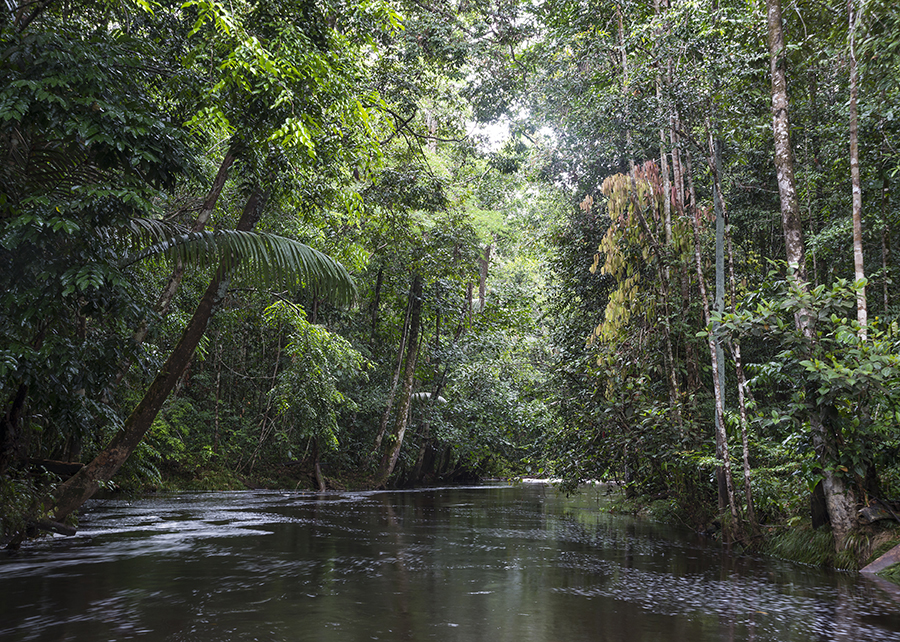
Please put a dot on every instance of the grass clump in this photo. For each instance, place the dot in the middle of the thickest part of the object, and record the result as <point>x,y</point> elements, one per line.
<point>802,544</point>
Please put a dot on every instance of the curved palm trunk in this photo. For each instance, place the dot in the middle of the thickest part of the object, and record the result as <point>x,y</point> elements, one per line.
<point>81,486</point>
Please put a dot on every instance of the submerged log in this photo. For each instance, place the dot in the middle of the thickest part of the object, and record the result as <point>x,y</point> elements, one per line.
<point>55,527</point>
<point>888,559</point>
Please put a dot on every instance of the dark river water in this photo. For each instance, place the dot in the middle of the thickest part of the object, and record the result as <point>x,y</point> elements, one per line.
<point>491,563</point>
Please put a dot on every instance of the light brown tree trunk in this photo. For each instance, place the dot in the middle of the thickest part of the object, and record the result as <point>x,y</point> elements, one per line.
<point>81,486</point>
<point>376,301</point>
<point>389,461</point>
<point>784,155</point>
<point>726,485</point>
<point>838,498</point>
<point>859,269</point>
<point>484,263</point>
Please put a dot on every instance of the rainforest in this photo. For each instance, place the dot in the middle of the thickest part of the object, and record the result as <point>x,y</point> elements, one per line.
<point>381,244</point>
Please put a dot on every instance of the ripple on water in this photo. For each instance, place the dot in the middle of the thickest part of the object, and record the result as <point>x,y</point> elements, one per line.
<point>456,564</point>
<point>772,609</point>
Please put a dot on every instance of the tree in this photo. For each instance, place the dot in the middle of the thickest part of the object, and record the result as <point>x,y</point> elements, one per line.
<point>81,486</point>
<point>858,264</point>
<point>838,497</point>
<point>87,153</point>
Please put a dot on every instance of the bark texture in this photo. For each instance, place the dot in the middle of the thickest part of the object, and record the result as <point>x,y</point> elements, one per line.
<point>168,293</point>
<point>723,473</point>
<point>862,313</point>
<point>784,157</point>
<point>838,497</point>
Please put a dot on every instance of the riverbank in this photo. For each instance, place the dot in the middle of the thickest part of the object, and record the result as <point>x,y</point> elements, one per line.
<point>794,540</point>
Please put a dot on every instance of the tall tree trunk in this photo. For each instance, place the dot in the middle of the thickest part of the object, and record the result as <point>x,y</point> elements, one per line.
<point>838,498</point>
<point>723,473</point>
<point>860,274</point>
<point>389,461</point>
<point>677,168</point>
<point>376,301</point>
<point>885,245</point>
<point>784,154</point>
<point>743,390</point>
<point>386,416</point>
<point>81,486</point>
<point>663,153</point>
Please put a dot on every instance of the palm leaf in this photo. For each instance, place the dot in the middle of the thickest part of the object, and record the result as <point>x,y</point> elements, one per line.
<point>46,167</point>
<point>268,258</point>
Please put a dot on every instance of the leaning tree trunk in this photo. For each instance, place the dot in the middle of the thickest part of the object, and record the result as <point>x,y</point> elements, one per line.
<point>389,461</point>
<point>81,486</point>
<point>838,498</point>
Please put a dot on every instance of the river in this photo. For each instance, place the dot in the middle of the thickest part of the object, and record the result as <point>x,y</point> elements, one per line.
<point>517,563</point>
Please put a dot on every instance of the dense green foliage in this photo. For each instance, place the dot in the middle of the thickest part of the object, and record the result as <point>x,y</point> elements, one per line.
<point>525,306</point>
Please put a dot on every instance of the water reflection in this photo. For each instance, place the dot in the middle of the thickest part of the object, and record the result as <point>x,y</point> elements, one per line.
<point>490,563</point>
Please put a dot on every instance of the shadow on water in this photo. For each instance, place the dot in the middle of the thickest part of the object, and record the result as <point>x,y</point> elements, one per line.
<point>492,563</point>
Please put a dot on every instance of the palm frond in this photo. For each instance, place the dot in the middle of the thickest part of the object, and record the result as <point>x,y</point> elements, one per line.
<point>154,230</point>
<point>47,167</point>
<point>268,258</point>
